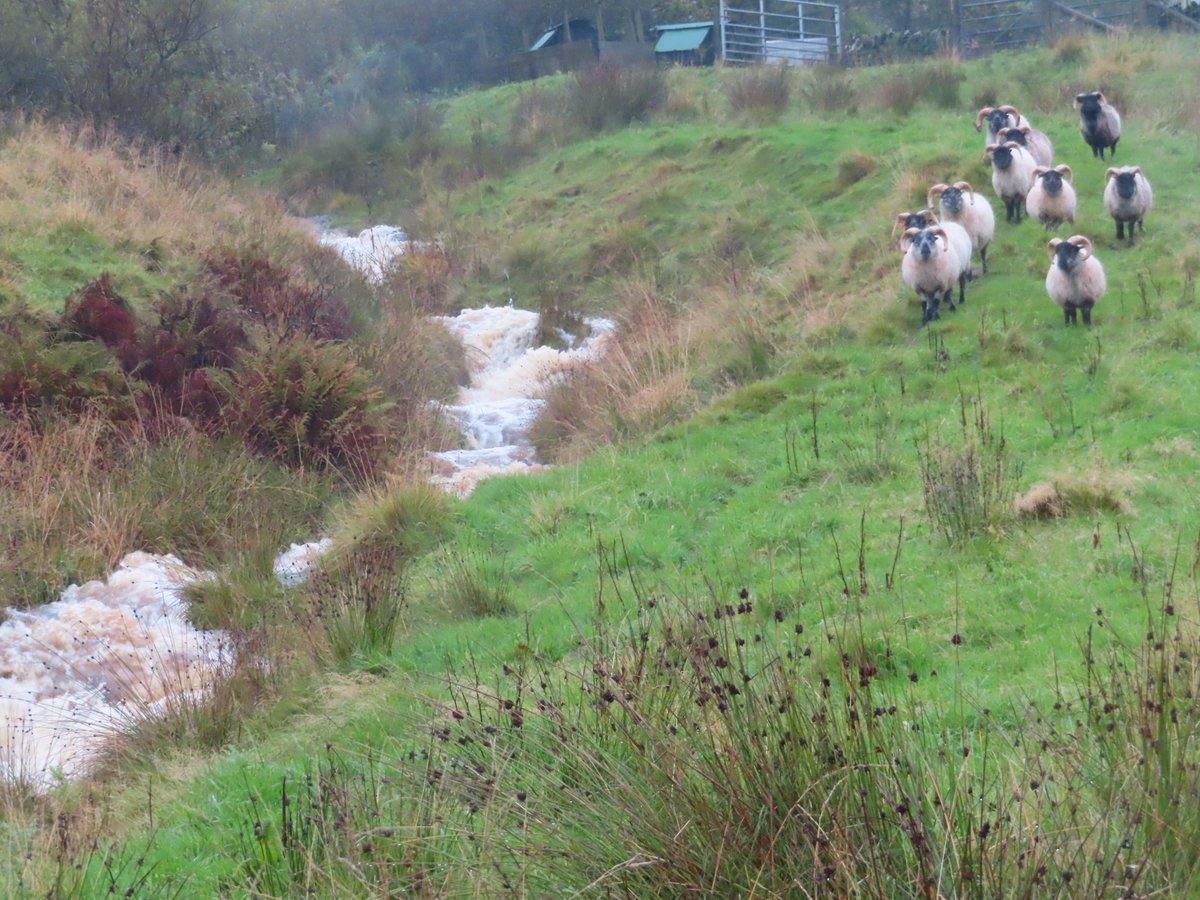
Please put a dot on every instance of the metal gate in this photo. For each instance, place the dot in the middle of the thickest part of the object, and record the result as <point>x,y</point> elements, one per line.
<point>780,31</point>
<point>987,25</point>
<point>996,24</point>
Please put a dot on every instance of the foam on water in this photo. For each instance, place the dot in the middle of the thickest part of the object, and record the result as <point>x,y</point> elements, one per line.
<point>372,250</point>
<point>292,565</point>
<point>509,375</point>
<point>106,654</point>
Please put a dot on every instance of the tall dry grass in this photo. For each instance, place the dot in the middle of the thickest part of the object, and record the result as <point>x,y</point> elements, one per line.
<point>52,175</point>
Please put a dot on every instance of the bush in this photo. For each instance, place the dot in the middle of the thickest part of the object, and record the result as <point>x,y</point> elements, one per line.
<point>830,90</point>
<point>272,296</point>
<point>761,91</point>
<point>969,488</point>
<point>308,403</point>
<point>606,96</point>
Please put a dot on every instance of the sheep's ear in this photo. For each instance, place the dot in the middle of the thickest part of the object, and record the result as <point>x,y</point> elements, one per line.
<point>1064,169</point>
<point>990,149</point>
<point>1052,247</point>
<point>1110,175</point>
<point>986,111</point>
<point>1079,100</point>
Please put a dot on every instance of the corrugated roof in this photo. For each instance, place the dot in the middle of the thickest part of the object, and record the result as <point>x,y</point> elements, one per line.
<point>676,38</point>
<point>545,38</point>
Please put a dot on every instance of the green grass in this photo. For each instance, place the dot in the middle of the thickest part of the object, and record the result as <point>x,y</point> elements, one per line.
<point>745,495</point>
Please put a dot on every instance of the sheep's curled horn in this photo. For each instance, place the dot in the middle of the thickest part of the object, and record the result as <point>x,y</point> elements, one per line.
<point>1078,240</point>
<point>1114,172</point>
<point>1012,111</point>
<point>901,218</point>
<point>965,187</point>
<point>1079,98</point>
<point>983,113</point>
<point>936,191</point>
<point>1064,169</point>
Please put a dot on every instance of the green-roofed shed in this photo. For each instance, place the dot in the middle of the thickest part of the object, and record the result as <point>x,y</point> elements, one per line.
<point>687,43</point>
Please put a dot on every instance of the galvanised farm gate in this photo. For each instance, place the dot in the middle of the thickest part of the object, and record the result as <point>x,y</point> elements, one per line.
<point>780,31</point>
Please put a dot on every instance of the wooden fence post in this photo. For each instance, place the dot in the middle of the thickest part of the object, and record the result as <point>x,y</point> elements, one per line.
<point>1047,11</point>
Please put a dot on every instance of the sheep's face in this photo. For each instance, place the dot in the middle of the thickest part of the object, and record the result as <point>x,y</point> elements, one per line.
<point>1052,182</point>
<point>1089,105</point>
<point>924,245</point>
<point>1016,135</point>
<point>1002,157</point>
<point>998,120</point>
<point>1068,257</point>
<point>952,201</point>
<point>1126,184</point>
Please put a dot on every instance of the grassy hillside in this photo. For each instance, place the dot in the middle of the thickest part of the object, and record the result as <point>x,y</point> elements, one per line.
<point>939,695</point>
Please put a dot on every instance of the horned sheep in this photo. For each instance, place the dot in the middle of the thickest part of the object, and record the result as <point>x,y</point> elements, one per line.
<point>1076,279</point>
<point>1012,176</point>
<point>1036,142</point>
<point>998,118</point>
<point>930,267</point>
<point>1099,123</point>
<point>960,204</point>
<point>1127,198</point>
<point>1051,199</point>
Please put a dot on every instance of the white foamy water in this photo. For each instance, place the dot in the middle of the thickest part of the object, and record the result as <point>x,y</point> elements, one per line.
<point>372,250</point>
<point>106,654</point>
<point>509,371</point>
<point>291,566</point>
<point>509,376</point>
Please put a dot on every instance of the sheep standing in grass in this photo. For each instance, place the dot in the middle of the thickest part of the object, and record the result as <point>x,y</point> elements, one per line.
<point>960,204</point>
<point>1076,278</point>
<point>1127,197</point>
<point>1034,141</point>
<point>931,267</point>
<point>1051,199</point>
<point>998,118</point>
<point>1099,123</point>
<point>1012,176</point>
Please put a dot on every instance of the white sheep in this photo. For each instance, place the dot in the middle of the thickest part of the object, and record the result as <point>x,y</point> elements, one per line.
<point>960,241</point>
<point>1012,175</point>
<point>959,203</point>
<point>1051,199</point>
<point>998,118</point>
<point>1076,278</point>
<point>930,267</point>
<point>1099,122</point>
<point>1031,139</point>
<point>1127,198</point>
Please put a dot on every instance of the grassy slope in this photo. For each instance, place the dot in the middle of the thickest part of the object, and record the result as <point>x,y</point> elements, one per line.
<point>714,500</point>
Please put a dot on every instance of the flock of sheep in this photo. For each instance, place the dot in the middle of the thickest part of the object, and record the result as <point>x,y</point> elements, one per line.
<point>938,246</point>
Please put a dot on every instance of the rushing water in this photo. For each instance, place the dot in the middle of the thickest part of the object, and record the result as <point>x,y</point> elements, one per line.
<point>509,370</point>
<point>106,654</point>
<point>75,672</point>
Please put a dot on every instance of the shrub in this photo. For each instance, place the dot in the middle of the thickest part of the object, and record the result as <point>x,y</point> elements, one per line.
<point>475,582</point>
<point>308,403</point>
<point>829,89</point>
<point>607,95</point>
<point>762,91</point>
<point>98,312</point>
<point>357,606</point>
<point>272,296</point>
<point>969,487</point>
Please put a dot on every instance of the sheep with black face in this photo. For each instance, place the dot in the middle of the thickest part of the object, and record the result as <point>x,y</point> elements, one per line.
<point>1035,142</point>
<point>1012,176</point>
<point>931,267</point>
<point>1051,199</point>
<point>1127,198</point>
<point>1099,123</point>
<point>997,118</point>
<point>1076,279</point>
<point>959,203</point>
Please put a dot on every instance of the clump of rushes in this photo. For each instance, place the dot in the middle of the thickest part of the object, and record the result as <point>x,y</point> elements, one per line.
<point>742,752</point>
<point>968,487</point>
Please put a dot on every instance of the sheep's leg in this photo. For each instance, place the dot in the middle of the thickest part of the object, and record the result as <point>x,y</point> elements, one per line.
<point>934,315</point>
<point>1120,229</point>
<point>1019,205</point>
<point>1087,312</point>
<point>1068,314</point>
<point>1112,151</point>
<point>962,289</point>
<point>924,312</point>
<point>1131,223</point>
<point>1141,225</point>
<point>983,257</point>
